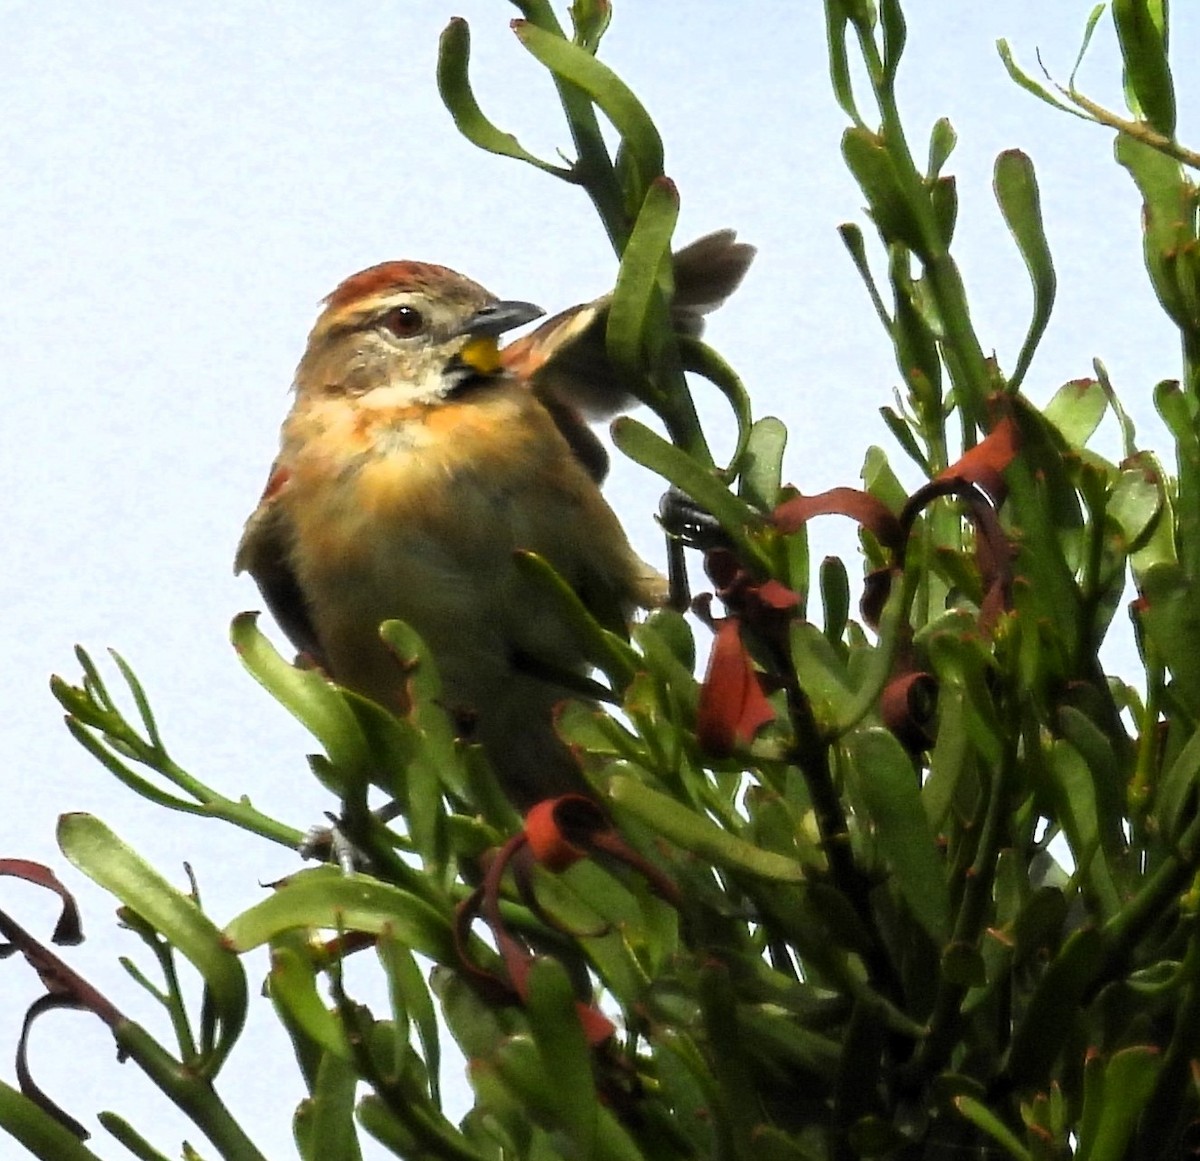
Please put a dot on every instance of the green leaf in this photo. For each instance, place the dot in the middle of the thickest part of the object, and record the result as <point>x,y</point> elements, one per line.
<point>835,598</point>
<point>1147,72</point>
<point>1055,1004</point>
<point>1017,192</point>
<point>943,198</point>
<point>37,1131</point>
<point>1177,788</point>
<point>901,429</point>
<point>1135,504</point>
<point>292,983</point>
<point>331,1135</point>
<point>411,1000</point>
<point>650,450</point>
<point>1161,182</point>
<point>614,98</point>
<point>1076,410</point>
<point>560,1041</point>
<point>839,64</point>
<point>873,168</point>
<point>890,787</point>
<point>701,359</point>
<point>602,647</point>
<point>895,33</point>
<point>1092,20</point>
<point>1027,82</point>
<point>760,467</point>
<point>695,833</point>
<point>323,897</point>
<point>305,693</point>
<point>1169,614</point>
<point>645,264</point>
<point>852,239</point>
<point>589,19</point>
<point>107,861</point>
<point>1077,810</point>
<point>1129,1080</point>
<point>454,85</point>
<point>983,1118</point>
<point>942,140</point>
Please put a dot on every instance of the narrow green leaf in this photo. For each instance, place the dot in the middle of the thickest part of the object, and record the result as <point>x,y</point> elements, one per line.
<point>852,238</point>
<point>1165,217</point>
<point>700,358</point>
<point>904,436</point>
<point>760,467</point>
<point>835,598</point>
<point>836,26</point>
<point>292,982</point>
<point>600,645</point>
<point>873,168</point>
<point>614,98</point>
<point>324,897</point>
<point>37,1131</point>
<point>983,1118</point>
<point>1017,192</point>
<point>895,33</point>
<point>411,1000</point>
<point>1147,71</point>
<point>122,1131</point>
<point>1129,1081</point>
<point>560,1040</point>
<point>454,85</point>
<point>640,280</point>
<point>331,1134</point>
<point>943,197</point>
<point>1177,788</point>
<point>1042,1031</point>
<point>305,693</point>
<point>1028,83</point>
<point>942,140</point>
<point>650,450</point>
<point>1092,20</point>
<point>695,833</point>
<point>1078,811</point>
<point>889,786</point>
<point>107,861</point>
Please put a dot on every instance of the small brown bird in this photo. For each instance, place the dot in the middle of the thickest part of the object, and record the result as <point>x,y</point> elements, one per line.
<point>418,456</point>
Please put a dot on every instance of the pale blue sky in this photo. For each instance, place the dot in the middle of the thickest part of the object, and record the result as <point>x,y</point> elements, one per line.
<point>183,183</point>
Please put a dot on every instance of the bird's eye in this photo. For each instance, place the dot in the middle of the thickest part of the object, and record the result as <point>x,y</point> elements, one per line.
<point>404,321</point>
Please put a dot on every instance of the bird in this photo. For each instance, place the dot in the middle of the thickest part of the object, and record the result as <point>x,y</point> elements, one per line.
<point>418,457</point>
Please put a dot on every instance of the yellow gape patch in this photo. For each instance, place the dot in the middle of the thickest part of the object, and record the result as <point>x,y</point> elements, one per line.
<point>482,353</point>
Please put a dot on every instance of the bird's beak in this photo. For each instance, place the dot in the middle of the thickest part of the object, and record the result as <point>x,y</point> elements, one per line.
<point>482,350</point>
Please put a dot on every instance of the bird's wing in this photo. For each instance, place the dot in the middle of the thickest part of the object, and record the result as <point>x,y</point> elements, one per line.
<point>565,360</point>
<point>263,553</point>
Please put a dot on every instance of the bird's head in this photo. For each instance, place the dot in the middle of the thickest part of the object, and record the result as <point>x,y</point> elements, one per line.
<point>419,331</point>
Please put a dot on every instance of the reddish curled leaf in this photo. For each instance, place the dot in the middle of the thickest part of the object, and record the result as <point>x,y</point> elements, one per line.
<point>733,707</point>
<point>65,988</point>
<point>983,466</point>
<point>860,506</point>
<point>548,832</point>
<point>563,830</point>
<point>558,832</point>
<point>907,707</point>
<point>877,585</point>
<point>68,930</point>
